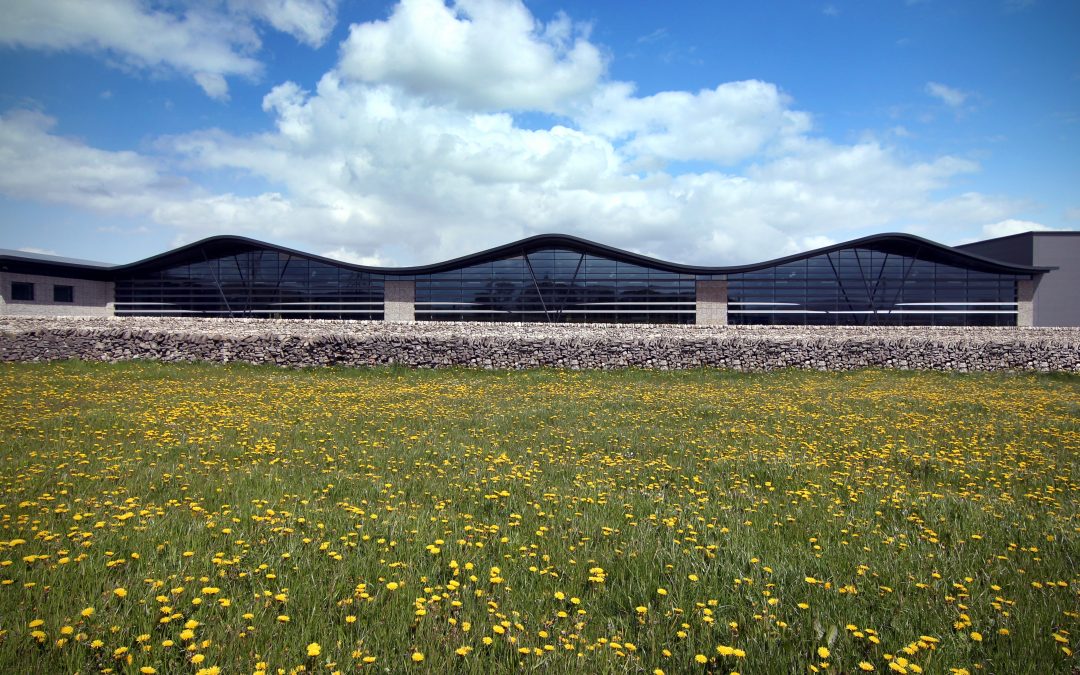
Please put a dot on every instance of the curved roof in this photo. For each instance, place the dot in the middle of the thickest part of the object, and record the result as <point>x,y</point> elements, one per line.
<point>898,243</point>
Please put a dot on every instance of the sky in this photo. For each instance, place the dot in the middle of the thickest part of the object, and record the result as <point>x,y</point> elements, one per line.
<point>400,133</point>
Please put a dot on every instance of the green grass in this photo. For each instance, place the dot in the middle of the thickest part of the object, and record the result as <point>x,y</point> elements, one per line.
<point>890,518</point>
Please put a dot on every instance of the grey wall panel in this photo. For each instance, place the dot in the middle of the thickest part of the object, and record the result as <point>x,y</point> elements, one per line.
<point>1057,296</point>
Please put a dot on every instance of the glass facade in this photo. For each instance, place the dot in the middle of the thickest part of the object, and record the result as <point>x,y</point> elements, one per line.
<point>261,283</point>
<point>885,280</point>
<point>556,285</point>
<point>863,286</point>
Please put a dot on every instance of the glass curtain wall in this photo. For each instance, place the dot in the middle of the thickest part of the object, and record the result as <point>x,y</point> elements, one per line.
<point>861,286</point>
<point>256,283</point>
<point>556,285</point>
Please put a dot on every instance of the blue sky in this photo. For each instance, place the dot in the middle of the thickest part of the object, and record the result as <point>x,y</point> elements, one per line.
<point>402,133</point>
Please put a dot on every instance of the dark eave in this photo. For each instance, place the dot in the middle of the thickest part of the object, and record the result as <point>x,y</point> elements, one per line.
<point>901,244</point>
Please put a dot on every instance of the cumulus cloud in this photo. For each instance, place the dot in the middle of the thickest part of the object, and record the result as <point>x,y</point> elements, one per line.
<point>483,54</point>
<point>408,161</point>
<point>205,41</point>
<point>309,21</point>
<point>727,124</point>
<point>36,164</point>
<point>950,96</point>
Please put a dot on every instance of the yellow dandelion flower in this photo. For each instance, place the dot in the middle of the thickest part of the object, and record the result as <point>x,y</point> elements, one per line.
<point>417,657</point>
<point>314,649</point>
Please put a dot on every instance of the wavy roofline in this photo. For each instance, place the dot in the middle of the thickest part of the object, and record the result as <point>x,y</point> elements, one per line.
<point>590,247</point>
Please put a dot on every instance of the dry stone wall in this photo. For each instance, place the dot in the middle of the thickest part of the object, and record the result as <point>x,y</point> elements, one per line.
<point>298,343</point>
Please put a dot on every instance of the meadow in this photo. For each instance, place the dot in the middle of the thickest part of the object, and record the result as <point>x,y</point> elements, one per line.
<point>236,519</point>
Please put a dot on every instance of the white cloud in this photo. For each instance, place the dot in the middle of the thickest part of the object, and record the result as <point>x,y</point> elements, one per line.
<point>727,124</point>
<point>309,21</point>
<point>950,96</point>
<point>1012,226</point>
<point>202,40</point>
<point>350,256</point>
<point>38,165</point>
<point>482,54</point>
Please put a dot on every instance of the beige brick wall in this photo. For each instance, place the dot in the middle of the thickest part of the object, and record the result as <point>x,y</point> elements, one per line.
<point>399,300</point>
<point>712,306</point>
<point>91,298</point>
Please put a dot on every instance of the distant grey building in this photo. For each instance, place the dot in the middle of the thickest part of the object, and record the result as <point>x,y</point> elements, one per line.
<point>1056,297</point>
<point>886,279</point>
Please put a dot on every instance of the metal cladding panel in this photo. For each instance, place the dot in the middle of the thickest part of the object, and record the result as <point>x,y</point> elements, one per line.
<point>1017,249</point>
<point>1057,295</point>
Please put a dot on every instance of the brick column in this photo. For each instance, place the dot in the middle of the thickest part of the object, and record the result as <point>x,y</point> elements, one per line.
<point>1025,295</point>
<point>712,302</point>
<point>399,296</point>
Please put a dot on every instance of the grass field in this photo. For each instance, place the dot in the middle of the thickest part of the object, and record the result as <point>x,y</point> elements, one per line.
<point>182,519</point>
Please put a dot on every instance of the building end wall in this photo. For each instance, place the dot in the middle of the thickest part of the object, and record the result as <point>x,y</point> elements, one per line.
<point>712,304</point>
<point>90,298</point>
<point>399,300</point>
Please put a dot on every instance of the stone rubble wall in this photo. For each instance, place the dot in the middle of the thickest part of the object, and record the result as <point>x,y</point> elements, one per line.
<point>303,343</point>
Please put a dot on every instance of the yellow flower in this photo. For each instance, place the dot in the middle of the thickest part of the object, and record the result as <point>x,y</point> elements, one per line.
<point>701,658</point>
<point>147,670</point>
<point>417,657</point>
<point>392,586</point>
<point>463,650</point>
<point>823,652</point>
<point>36,622</point>
<point>866,665</point>
<point>641,609</point>
<point>283,618</point>
<point>88,612</point>
<point>976,636</point>
<point>120,592</point>
<point>314,649</point>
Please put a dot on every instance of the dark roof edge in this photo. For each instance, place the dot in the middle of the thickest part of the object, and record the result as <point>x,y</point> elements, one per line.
<point>540,240</point>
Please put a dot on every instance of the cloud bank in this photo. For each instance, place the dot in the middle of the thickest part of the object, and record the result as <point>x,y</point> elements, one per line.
<point>411,149</point>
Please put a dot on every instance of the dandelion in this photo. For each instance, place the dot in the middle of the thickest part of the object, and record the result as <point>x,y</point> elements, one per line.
<point>823,652</point>
<point>120,592</point>
<point>87,613</point>
<point>417,657</point>
<point>701,658</point>
<point>314,649</point>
